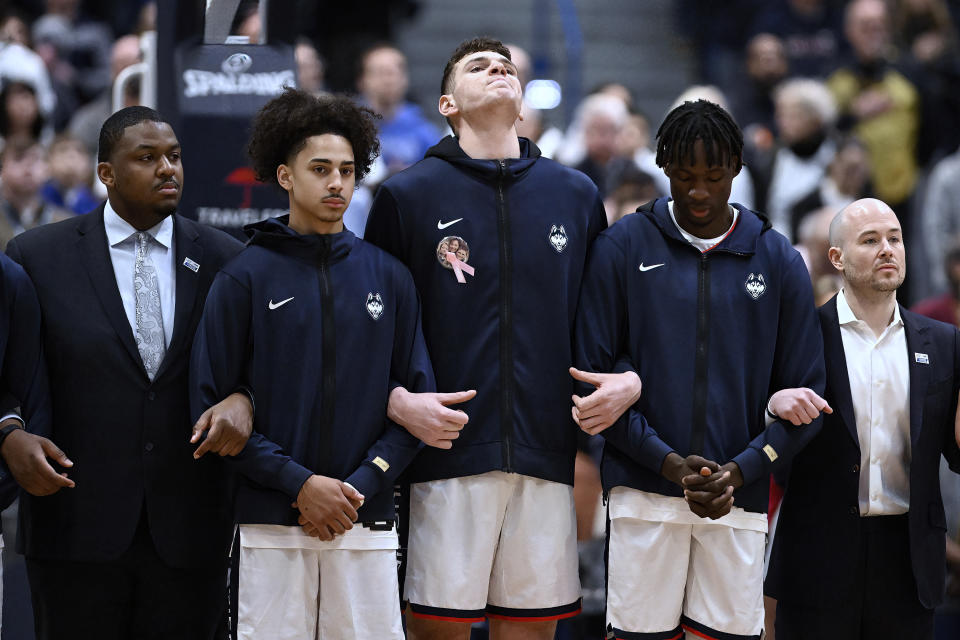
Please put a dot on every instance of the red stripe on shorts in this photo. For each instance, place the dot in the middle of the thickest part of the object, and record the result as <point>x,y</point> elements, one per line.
<point>559,616</point>
<point>697,633</point>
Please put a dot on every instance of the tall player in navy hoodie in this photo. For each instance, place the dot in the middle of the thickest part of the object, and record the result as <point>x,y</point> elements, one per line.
<point>319,324</point>
<point>496,238</point>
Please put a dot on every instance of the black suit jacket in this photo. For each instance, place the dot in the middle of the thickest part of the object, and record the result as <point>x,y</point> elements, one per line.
<point>818,532</point>
<point>127,436</point>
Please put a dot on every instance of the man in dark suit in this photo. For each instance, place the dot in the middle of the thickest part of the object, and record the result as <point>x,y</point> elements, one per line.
<point>859,547</point>
<point>138,547</point>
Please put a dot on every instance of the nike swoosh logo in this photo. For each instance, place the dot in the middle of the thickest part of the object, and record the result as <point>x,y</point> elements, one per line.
<point>444,225</point>
<point>273,305</point>
<point>653,266</point>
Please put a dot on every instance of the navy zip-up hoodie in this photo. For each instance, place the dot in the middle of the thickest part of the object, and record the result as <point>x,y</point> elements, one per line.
<point>317,326</point>
<point>506,331</point>
<point>712,335</point>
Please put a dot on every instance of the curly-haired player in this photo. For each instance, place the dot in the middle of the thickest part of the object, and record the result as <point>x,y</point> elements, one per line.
<point>317,323</point>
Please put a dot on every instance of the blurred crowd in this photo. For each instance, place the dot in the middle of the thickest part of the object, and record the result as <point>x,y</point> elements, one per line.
<point>838,100</point>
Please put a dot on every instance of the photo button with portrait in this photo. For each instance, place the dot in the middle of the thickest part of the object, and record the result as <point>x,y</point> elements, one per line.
<point>455,245</point>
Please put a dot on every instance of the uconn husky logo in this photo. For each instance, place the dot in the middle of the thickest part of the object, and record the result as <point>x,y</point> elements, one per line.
<point>374,305</point>
<point>755,285</point>
<point>558,238</point>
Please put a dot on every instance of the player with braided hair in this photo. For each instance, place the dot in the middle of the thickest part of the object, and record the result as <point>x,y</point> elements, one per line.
<point>714,310</point>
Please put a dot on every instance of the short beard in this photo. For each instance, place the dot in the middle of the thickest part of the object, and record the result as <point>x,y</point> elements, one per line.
<point>886,286</point>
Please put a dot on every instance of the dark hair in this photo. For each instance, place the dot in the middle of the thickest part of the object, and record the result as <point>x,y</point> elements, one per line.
<point>37,127</point>
<point>700,120</point>
<point>18,146</point>
<point>465,48</point>
<point>112,130</point>
<point>281,129</point>
<point>483,43</point>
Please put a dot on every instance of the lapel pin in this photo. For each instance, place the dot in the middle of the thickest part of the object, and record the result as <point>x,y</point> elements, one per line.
<point>191,264</point>
<point>921,358</point>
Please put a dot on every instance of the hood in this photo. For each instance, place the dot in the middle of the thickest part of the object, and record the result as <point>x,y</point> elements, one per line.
<point>448,149</point>
<point>743,239</point>
<point>276,235</point>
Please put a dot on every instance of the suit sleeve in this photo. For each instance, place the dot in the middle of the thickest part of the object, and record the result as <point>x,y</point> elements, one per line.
<point>600,342</point>
<point>24,374</point>
<point>410,366</point>
<point>219,365</point>
<point>951,445</point>
<point>798,362</point>
<point>385,226</point>
<point>24,380</point>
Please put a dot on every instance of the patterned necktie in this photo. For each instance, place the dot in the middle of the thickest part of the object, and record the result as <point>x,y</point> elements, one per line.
<point>146,289</point>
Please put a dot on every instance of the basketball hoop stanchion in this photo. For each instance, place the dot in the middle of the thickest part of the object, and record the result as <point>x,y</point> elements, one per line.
<point>210,84</point>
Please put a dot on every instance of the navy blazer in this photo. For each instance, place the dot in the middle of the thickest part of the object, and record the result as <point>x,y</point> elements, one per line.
<point>815,548</point>
<point>127,436</point>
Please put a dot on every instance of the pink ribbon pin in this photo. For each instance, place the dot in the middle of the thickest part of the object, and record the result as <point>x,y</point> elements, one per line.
<point>459,267</point>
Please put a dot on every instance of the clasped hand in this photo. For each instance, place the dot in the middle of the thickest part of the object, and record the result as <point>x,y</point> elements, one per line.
<point>328,507</point>
<point>707,486</point>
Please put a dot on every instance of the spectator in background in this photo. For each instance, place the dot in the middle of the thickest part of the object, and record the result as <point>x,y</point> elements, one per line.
<point>342,31</point>
<point>531,124</point>
<point>879,104</point>
<point>14,28</point>
<point>752,103</point>
<point>617,90</point>
<point>813,244</point>
<point>925,34</point>
<point>847,179</point>
<point>85,123</point>
<point>632,189</point>
<point>941,217</point>
<point>82,42</point>
<point>599,120</point>
<point>50,43</point>
<point>634,136</point>
<point>805,114</point>
<point>20,115</point>
<point>811,31</point>
<point>309,67</point>
<point>71,170</point>
<point>719,31</point>
<point>23,170</point>
<point>405,133</point>
<point>20,64</point>
<point>945,307</point>
<point>947,616</point>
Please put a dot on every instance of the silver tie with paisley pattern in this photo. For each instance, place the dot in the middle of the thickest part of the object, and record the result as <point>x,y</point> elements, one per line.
<point>146,290</point>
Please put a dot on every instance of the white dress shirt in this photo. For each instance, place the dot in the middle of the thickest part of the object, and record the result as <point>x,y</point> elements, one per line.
<point>122,241</point>
<point>879,370</point>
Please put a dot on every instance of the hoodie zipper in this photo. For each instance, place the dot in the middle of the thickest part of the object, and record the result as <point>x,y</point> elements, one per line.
<point>328,341</point>
<point>698,434</point>
<point>506,323</point>
<point>701,359</point>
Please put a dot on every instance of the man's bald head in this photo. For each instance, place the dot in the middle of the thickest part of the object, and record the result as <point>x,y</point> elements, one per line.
<point>855,210</point>
<point>866,247</point>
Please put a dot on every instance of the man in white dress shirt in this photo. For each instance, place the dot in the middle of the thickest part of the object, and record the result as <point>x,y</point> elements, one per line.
<point>859,550</point>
